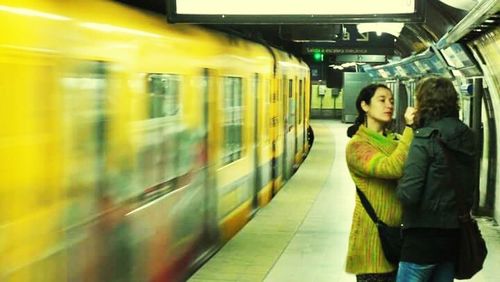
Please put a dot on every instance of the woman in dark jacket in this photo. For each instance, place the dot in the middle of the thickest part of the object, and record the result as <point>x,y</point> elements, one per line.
<point>430,214</point>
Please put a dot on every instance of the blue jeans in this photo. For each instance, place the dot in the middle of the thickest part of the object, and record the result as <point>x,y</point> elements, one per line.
<point>412,272</point>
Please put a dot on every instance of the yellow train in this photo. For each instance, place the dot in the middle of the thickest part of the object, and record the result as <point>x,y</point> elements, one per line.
<point>131,149</point>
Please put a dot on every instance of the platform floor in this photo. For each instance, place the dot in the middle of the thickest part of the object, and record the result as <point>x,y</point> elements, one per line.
<point>302,234</point>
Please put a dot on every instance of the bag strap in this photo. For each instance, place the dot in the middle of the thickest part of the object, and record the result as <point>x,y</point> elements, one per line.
<point>459,189</point>
<point>368,207</point>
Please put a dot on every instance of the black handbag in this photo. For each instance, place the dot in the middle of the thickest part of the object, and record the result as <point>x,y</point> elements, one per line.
<point>472,249</point>
<point>390,236</point>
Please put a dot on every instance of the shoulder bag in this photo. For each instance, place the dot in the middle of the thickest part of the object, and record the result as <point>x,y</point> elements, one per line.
<point>472,247</point>
<point>390,236</point>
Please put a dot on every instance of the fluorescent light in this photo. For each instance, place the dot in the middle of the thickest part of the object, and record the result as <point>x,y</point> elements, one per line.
<point>345,65</point>
<point>391,28</point>
<point>461,4</point>
<point>294,7</point>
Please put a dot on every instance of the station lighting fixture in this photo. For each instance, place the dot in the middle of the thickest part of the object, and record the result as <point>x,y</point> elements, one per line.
<point>466,5</point>
<point>345,65</point>
<point>294,11</point>
<point>379,28</point>
<point>293,7</point>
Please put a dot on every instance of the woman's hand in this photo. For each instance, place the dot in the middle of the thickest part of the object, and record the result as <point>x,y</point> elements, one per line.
<point>410,115</point>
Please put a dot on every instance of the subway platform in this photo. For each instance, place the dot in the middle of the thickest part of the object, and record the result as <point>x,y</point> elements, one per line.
<point>302,234</point>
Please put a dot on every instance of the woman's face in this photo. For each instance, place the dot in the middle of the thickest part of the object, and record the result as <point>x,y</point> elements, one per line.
<point>381,106</point>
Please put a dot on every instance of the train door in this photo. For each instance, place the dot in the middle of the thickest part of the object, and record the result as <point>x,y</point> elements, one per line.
<point>31,167</point>
<point>277,135</point>
<point>284,96</point>
<point>265,144</point>
<point>290,137</point>
<point>296,121</point>
<point>97,177</point>
<point>85,96</point>
<point>207,158</point>
<point>302,113</point>
<point>256,144</point>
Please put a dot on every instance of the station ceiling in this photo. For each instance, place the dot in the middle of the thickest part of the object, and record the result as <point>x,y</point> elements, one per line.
<point>339,40</point>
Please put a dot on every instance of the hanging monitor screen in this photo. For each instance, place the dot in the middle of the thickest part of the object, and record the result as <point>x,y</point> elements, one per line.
<point>460,61</point>
<point>293,11</point>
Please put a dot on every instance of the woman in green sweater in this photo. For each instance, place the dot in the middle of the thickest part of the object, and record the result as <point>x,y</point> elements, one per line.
<point>375,158</point>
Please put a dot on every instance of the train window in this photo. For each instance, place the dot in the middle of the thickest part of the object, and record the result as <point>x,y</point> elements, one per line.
<point>164,92</point>
<point>88,115</point>
<point>160,156</point>
<point>233,119</point>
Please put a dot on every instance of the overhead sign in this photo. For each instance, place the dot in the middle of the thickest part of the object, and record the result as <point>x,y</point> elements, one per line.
<point>353,43</point>
<point>348,50</point>
<point>293,11</point>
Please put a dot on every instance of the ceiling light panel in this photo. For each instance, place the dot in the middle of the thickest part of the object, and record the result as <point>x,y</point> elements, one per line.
<point>294,7</point>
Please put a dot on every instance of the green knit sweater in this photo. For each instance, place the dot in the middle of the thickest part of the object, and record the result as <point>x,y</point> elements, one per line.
<point>375,163</point>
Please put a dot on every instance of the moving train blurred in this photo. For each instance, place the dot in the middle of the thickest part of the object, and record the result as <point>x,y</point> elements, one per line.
<point>132,149</point>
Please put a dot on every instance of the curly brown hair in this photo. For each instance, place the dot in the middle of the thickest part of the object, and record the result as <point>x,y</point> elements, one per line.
<point>436,98</point>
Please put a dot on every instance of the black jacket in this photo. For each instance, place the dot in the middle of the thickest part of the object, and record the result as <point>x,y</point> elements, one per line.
<point>425,190</point>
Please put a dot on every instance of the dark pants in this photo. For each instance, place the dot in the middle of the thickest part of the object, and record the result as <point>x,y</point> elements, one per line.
<point>376,277</point>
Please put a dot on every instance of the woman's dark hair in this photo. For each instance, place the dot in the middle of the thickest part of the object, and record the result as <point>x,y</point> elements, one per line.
<point>365,95</point>
<point>436,98</point>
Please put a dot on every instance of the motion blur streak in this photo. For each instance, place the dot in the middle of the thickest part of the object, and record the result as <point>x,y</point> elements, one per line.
<point>132,149</point>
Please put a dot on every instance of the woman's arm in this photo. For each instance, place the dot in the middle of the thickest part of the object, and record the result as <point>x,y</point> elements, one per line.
<point>366,160</point>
